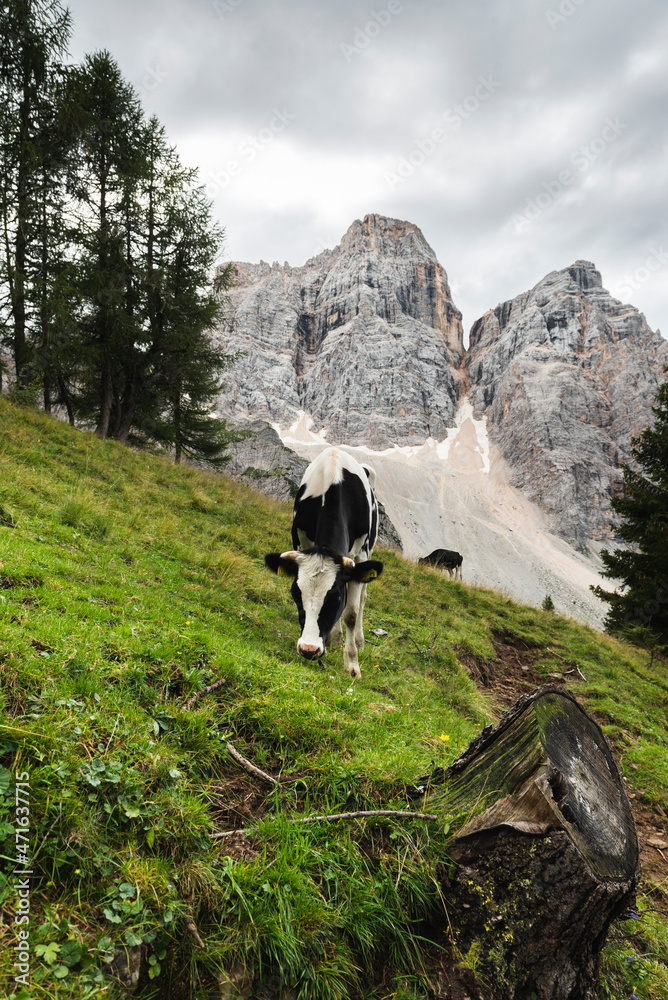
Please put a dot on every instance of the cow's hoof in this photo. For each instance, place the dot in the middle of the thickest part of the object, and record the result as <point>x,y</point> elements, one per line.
<point>354,670</point>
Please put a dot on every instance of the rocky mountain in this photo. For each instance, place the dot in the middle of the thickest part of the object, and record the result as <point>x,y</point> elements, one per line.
<point>262,461</point>
<point>566,376</point>
<point>363,345</point>
<point>364,338</point>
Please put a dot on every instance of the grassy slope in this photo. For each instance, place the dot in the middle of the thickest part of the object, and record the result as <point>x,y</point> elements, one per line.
<point>127,584</point>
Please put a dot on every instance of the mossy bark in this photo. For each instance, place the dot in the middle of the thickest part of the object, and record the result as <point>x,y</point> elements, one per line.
<point>547,856</point>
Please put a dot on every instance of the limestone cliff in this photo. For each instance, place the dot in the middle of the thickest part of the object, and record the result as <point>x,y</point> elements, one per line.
<point>263,462</point>
<point>566,376</point>
<point>365,343</point>
<point>364,338</point>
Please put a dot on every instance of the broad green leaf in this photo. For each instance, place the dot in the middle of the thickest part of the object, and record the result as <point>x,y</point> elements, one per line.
<point>49,952</point>
<point>70,952</point>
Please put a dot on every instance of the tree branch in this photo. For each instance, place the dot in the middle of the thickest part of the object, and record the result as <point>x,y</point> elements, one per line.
<point>206,690</point>
<point>251,768</point>
<point>362,814</point>
<point>192,929</point>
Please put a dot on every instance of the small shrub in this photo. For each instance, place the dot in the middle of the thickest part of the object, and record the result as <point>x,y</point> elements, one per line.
<point>24,395</point>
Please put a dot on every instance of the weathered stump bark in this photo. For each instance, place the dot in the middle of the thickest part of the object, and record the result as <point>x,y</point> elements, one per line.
<point>547,855</point>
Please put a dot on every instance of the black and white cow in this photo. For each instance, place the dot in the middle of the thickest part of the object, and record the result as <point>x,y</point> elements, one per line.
<point>445,559</point>
<point>334,529</point>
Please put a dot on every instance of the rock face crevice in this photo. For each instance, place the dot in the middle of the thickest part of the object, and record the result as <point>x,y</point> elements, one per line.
<point>367,341</point>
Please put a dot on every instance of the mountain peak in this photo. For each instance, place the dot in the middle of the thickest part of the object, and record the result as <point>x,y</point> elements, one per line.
<point>375,314</point>
<point>365,341</point>
<point>384,235</point>
<point>566,376</point>
<point>585,274</point>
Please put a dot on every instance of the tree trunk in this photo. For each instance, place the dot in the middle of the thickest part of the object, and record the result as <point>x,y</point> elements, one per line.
<point>547,856</point>
<point>106,403</point>
<point>127,413</point>
<point>177,428</point>
<point>21,348</point>
<point>66,398</point>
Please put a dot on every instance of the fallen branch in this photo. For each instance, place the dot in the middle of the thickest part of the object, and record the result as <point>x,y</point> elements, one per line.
<point>195,933</point>
<point>251,768</point>
<point>370,812</point>
<point>422,652</point>
<point>553,652</point>
<point>363,814</point>
<point>201,694</point>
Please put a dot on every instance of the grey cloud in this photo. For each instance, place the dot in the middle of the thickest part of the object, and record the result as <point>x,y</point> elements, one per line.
<point>216,78</point>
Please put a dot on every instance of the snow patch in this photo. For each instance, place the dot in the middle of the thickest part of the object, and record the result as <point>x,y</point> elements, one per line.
<point>300,431</point>
<point>456,494</point>
<point>464,438</point>
<point>456,437</point>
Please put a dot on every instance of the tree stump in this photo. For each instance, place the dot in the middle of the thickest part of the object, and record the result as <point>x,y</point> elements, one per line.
<point>547,855</point>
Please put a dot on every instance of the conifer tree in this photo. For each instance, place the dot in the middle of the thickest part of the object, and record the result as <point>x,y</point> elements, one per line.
<point>182,244</point>
<point>33,41</point>
<point>52,292</point>
<point>110,248</point>
<point>640,609</point>
<point>109,165</point>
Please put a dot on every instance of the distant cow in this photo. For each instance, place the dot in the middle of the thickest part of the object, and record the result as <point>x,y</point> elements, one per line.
<point>445,559</point>
<point>334,529</point>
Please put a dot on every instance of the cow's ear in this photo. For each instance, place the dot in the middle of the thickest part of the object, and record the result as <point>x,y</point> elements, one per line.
<point>283,565</point>
<point>365,572</point>
<point>370,474</point>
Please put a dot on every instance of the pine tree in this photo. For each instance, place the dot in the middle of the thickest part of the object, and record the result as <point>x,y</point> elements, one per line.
<point>110,248</point>
<point>52,293</point>
<point>182,246</point>
<point>33,40</point>
<point>110,163</point>
<point>148,239</point>
<point>641,610</point>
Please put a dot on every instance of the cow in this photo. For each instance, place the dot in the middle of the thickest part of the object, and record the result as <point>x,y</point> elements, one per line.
<point>445,559</point>
<point>334,529</point>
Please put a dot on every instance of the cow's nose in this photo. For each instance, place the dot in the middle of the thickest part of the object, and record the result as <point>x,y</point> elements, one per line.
<point>309,652</point>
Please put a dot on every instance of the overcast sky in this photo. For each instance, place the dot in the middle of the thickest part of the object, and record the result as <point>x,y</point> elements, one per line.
<point>519,135</point>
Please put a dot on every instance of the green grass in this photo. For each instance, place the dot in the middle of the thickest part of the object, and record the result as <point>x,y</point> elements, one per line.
<point>126,585</point>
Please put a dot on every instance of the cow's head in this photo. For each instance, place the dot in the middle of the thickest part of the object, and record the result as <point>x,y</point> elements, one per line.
<point>320,577</point>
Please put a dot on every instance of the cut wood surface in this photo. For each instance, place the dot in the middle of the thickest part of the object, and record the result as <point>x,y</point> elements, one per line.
<point>548,763</point>
<point>547,852</point>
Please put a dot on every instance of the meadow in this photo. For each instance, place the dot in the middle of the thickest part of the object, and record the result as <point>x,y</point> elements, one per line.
<point>129,585</point>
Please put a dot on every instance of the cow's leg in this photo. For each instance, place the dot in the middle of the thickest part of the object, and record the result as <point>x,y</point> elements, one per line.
<point>449,569</point>
<point>459,572</point>
<point>350,616</point>
<point>359,632</point>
